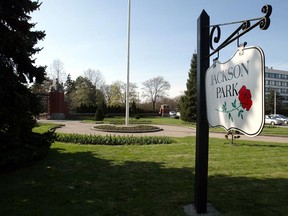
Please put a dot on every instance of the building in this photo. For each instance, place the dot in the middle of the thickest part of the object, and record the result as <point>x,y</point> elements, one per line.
<point>58,106</point>
<point>277,80</point>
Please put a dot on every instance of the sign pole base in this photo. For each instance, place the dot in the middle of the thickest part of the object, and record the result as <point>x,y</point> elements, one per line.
<point>189,210</point>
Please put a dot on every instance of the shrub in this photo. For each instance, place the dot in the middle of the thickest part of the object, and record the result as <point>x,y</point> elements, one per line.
<point>109,115</point>
<point>99,116</point>
<point>84,108</point>
<point>131,121</point>
<point>137,116</point>
<point>113,140</point>
<point>25,151</point>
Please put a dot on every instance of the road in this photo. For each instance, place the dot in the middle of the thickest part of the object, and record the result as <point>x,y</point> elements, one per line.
<point>80,127</point>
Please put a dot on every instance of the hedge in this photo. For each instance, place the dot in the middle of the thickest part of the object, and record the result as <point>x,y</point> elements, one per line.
<point>112,139</point>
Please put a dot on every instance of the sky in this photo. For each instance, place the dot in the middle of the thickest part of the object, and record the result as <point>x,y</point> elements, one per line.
<point>163,36</point>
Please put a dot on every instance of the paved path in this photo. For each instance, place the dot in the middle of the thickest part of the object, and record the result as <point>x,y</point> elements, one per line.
<point>173,131</point>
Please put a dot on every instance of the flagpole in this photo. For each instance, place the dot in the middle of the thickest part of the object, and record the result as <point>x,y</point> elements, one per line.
<point>128,67</point>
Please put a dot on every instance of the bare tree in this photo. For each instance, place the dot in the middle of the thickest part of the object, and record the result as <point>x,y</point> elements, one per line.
<point>57,71</point>
<point>155,87</point>
<point>96,77</point>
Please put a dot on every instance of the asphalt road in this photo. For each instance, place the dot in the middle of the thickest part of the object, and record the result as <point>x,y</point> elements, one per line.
<point>172,131</point>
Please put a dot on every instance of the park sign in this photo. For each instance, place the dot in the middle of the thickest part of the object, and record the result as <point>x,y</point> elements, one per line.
<point>235,92</point>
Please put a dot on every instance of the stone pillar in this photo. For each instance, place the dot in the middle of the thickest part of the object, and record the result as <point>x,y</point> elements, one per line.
<point>57,106</point>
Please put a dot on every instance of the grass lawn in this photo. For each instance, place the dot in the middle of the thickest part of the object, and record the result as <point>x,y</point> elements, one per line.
<point>148,120</point>
<point>249,178</point>
<point>267,130</point>
<point>270,130</point>
<point>167,121</point>
<point>43,127</point>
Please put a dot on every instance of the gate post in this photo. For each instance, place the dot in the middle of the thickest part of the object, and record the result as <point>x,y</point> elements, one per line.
<point>202,130</point>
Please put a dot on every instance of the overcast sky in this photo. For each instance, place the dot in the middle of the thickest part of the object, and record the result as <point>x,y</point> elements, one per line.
<point>93,34</point>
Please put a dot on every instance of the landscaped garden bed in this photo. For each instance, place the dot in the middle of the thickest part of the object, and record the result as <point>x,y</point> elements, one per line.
<point>127,129</point>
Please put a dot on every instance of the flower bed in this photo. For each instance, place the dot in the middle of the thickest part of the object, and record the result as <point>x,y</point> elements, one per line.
<point>127,129</point>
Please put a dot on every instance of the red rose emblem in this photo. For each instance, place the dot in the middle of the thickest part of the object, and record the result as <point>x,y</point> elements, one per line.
<point>244,96</point>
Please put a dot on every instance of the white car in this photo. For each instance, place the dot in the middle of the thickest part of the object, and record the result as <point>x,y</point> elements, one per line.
<point>283,118</point>
<point>172,113</point>
<point>272,120</point>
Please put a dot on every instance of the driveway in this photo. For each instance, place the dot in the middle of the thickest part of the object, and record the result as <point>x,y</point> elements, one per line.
<point>173,131</point>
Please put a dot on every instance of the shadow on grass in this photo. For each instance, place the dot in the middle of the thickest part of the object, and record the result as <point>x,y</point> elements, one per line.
<point>82,183</point>
<point>249,196</point>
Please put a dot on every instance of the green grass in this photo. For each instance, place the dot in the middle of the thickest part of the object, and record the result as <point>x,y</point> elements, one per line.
<point>275,130</point>
<point>249,178</point>
<point>167,121</point>
<point>43,127</point>
<point>147,120</point>
<point>267,130</point>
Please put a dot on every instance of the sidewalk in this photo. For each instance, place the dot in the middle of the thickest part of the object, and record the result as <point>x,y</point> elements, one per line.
<point>168,130</point>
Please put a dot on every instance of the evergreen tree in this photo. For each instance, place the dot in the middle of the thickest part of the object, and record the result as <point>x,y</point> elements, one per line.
<point>133,109</point>
<point>69,87</point>
<point>188,101</point>
<point>99,116</point>
<point>84,92</point>
<point>17,69</point>
<point>42,91</point>
<point>42,88</point>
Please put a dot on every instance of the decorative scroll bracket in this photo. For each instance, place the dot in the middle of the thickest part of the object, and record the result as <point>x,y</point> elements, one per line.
<point>245,27</point>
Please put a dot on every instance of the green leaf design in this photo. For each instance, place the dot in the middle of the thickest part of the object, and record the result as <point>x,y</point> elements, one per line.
<point>230,117</point>
<point>234,103</point>
<point>224,108</point>
<point>240,113</point>
<point>230,110</point>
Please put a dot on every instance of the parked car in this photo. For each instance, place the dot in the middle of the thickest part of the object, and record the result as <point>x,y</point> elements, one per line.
<point>172,113</point>
<point>283,118</point>
<point>272,120</point>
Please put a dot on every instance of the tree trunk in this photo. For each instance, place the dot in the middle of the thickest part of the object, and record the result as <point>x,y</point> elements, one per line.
<point>153,105</point>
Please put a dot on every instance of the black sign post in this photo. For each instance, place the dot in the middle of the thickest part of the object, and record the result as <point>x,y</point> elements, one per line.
<point>204,43</point>
<point>202,130</point>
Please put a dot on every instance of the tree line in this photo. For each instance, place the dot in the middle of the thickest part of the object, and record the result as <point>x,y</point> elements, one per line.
<point>90,90</point>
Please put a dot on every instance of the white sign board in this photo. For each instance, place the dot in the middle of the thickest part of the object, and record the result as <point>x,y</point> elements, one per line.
<point>235,92</point>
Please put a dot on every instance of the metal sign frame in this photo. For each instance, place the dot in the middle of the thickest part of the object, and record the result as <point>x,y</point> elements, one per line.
<point>205,40</point>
